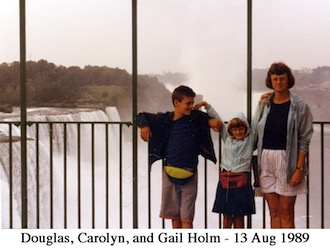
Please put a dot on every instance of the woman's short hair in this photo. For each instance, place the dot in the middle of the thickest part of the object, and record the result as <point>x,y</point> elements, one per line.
<point>182,91</point>
<point>279,69</point>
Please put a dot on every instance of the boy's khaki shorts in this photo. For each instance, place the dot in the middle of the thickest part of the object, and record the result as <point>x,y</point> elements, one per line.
<point>178,201</point>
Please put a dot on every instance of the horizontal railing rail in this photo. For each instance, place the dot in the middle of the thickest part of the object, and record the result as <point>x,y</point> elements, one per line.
<point>80,175</point>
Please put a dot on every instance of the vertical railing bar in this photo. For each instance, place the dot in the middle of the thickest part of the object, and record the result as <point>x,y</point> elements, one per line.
<point>205,193</point>
<point>93,174</point>
<point>79,176</point>
<point>37,176</point>
<point>107,175</point>
<point>65,186</point>
<point>219,170</point>
<point>10,177</point>
<point>263,213</point>
<point>322,175</point>
<point>163,164</point>
<point>149,189</point>
<point>307,197</point>
<point>121,175</point>
<point>51,173</point>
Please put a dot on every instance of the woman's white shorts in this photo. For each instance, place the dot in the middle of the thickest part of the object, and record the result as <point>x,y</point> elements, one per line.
<point>273,177</point>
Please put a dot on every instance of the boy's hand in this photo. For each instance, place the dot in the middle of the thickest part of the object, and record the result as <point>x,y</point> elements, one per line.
<point>215,124</point>
<point>145,133</point>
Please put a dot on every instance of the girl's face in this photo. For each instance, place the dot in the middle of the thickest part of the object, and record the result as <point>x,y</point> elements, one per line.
<point>238,132</point>
<point>279,82</point>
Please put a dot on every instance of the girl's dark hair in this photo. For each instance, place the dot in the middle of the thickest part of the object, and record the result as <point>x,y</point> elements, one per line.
<point>182,91</point>
<point>278,69</point>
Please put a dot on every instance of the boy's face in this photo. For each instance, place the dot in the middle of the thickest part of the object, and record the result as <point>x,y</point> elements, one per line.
<point>184,107</point>
<point>238,132</point>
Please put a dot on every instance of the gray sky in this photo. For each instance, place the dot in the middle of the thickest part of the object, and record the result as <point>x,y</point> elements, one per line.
<point>204,38</point>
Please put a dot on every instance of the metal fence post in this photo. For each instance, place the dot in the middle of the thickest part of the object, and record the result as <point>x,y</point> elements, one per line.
<point>24,206</point>
<point>249,72</point>
<point>134,112</point>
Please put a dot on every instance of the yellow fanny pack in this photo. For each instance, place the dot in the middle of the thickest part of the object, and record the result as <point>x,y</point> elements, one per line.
<point>178,173</point>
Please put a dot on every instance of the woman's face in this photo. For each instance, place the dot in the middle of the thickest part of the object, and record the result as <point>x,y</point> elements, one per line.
<point>279,82</point>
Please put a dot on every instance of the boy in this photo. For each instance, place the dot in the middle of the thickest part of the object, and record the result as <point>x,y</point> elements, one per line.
<point>179,137</point>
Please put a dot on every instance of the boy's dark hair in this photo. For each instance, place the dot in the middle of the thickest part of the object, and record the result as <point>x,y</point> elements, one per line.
<point>182,91</point>
<point>278,69</point>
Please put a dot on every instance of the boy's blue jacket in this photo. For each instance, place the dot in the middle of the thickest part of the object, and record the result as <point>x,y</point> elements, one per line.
<point>160,125</point>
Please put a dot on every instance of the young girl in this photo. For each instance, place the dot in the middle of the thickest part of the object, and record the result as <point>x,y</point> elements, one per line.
<point>234,196</point>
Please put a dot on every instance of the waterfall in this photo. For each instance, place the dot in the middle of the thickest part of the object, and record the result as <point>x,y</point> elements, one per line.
<point>48,151</point>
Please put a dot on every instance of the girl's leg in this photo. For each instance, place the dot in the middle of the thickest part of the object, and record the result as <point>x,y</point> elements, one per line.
<point>273,201</point>
<point>227,221</point>
<point>238,221</point>
<point>287,204</point>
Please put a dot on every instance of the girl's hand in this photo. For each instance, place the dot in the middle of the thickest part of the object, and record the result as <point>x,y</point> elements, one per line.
<point>215,124</point>
<point>201,104</point>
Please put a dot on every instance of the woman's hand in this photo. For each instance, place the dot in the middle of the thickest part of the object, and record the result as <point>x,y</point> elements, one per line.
<point>265,96</point>
<point>297,177</point>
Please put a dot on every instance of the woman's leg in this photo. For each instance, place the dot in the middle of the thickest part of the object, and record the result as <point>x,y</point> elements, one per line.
<point>287,204</point>
<point>273,201</point>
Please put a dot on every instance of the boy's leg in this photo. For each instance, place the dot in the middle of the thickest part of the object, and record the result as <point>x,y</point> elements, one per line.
<point>188,195</point>
<point>187,224</point>
<point>176,223</point>
<point>170,208</point>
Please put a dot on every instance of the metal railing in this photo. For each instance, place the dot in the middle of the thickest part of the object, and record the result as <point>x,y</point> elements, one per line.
<point>80,175</point>
<point>50,152</point>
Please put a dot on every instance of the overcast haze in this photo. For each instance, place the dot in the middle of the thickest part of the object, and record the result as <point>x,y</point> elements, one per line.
<point>203,38</point>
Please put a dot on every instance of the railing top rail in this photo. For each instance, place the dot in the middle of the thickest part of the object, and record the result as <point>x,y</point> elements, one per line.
<point>321,122</point>
<point>69,122</point>
<point>128,123</point>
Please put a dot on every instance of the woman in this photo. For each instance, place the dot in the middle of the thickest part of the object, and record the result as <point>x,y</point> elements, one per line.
<point>284,134</point>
